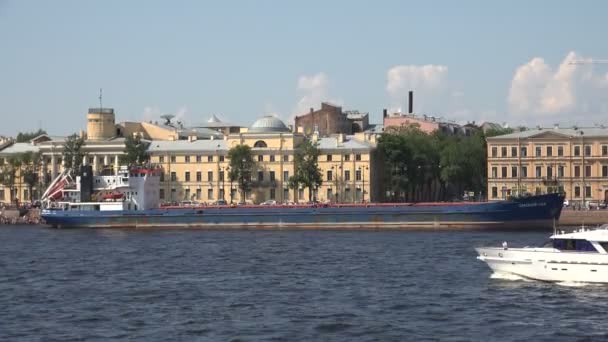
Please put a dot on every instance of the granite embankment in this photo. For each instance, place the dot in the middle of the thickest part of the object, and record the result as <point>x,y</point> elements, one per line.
<point>571,217</point>
<point>16,216</point>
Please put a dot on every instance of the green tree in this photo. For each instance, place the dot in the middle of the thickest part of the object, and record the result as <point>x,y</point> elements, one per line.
<point>241,166</point>
<point>307,173</point>
<point>27,136</point>
<point>72,153</point>
<point>8,176</point>
<point>135,152</point>
<point>30,170</point>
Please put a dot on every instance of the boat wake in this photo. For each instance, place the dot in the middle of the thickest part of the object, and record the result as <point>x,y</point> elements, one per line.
<point>574,284</point>
<point>507,276</point>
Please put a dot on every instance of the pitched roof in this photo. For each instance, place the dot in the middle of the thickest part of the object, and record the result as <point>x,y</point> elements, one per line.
<point>188,146</point>
<point>570,132</point>
<point>19,148</point>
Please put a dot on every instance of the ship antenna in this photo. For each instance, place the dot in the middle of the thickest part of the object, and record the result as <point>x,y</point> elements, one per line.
<point>100,98</point>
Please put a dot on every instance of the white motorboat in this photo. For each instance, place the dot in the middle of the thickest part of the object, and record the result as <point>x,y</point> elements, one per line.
<point>579,256</point>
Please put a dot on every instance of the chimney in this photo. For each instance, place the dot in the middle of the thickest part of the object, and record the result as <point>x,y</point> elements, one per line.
<point>411,108</point>
<point>384,113</point>
<point>312,110</point>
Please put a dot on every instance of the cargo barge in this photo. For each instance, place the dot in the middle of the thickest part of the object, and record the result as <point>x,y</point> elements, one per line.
<point>130,200</point>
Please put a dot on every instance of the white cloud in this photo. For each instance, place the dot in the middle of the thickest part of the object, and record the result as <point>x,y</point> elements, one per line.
<point>429,82</point>
<point>312,90</point>
<point>153,113</point>
<point>564,93</point>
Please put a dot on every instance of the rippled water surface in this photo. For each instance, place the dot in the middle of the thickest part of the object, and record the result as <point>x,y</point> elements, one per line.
<point>161,285</point>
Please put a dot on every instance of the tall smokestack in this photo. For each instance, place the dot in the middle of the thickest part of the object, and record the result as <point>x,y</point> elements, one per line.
<point>411,108</point>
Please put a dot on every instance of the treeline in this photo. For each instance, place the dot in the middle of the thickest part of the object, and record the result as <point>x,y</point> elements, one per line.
<point>433,167</point>
<point>27,136</point>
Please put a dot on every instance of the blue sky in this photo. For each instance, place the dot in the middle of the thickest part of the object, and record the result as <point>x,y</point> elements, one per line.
<point>466,60</point>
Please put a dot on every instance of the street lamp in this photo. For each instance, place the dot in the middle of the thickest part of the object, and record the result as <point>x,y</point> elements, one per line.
<point>231,193</point>
<point>223,189</point>
<point>361,170</point>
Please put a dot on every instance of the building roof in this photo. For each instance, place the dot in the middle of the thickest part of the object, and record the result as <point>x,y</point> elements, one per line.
<point>268,124</point>
<point>569,132</point>
<point>215,122</point>
<point>188,146</point>
<point>375,129</point>
<point>349,143</point>
<point>19,148</point>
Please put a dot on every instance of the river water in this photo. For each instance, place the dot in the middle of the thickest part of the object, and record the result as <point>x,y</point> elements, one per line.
<point>159,285</point>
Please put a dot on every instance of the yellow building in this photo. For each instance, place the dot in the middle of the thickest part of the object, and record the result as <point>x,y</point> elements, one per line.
<point>573,160</point>
<point>197,170</point>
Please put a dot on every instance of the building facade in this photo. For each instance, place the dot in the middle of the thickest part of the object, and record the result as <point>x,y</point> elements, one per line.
<point>198,170</point>
<point>573,160</point>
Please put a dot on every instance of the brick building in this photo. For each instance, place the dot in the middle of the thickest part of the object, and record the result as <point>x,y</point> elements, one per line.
<point>330,119</point>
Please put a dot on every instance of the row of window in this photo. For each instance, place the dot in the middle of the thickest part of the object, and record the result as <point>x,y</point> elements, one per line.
<point>197,194</point>
<point>271,176</point>
<point>549,151</point>
<point>550,171</point>
<point>577,191</point>
<point>260,158</point>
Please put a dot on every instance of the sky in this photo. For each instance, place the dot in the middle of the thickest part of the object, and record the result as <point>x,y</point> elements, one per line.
<point>465,60</point>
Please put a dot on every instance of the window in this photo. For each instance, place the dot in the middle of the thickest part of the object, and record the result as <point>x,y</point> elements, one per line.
<point>187,194</point>
<point>161,194</point>
<point>549,151</point>
<point>173,176</point>
<point>260,158</point>
<point>577,151</point>
<point>358,175</point>
<point>524,151</point>
<point>199,176</point>
<point>538,151</point>
<point>187,176</point>
<point>210,159</point>
<point>285,158</point>
<point>198,194</point>
<point>513,171</point>
<point>494,151</point>
<point>503,172</point>
<point>162,177</point>
<point>173,197</point>
<point>577,171</point>
<point>209,194</point>
<point>187,159</point>
<point>330,194</point>
<point>587,191</point>
<point>538,172</point>
<point>357,157</point>
<point>549,171</point>
<point>587,150</point>
<point>577,191</point>
<point>494,192</point>
<point>285,175</point>
<point>198,159</point>
<point>494,172</point>
<point>347,157</point>
<point>285,194</point>
<point>301,193</point>
<point>604,150</point>
<point>260,176</point>
<point>210,176</point>
<point>221,176</point>
<point>222,158</point>
<point>272,157</point>
<point>587,170</point>
<point>272,194</point>
<point>513,151</point>
<point>272,176</point>
<point>329,157</point>
<point>161,159</point>
<point>172,159</point>
<point>503,151</point>
<point>560,151</point>
<point>260,144</point>
<point>560,171</point>
<point>524,171</point>
<point>222,194</point>
<point>604,172</point>
<point>329,175</point>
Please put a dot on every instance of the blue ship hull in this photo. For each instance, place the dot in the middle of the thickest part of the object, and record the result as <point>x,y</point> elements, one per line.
<point>534,212</point>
